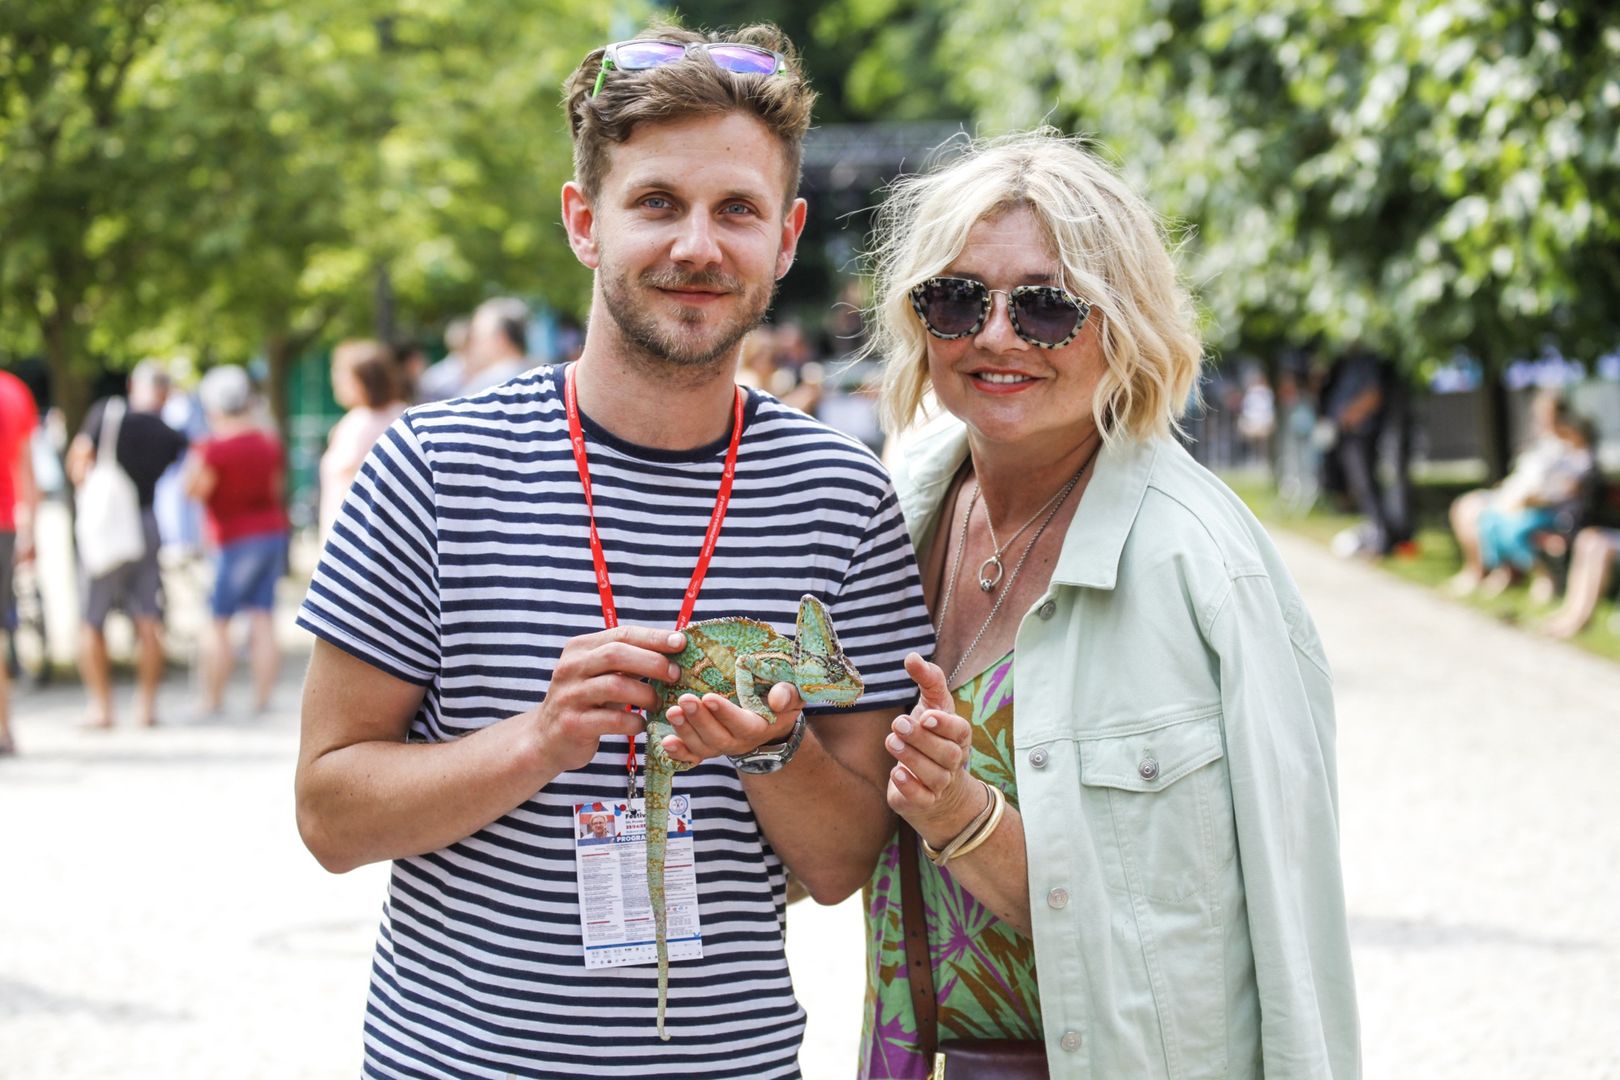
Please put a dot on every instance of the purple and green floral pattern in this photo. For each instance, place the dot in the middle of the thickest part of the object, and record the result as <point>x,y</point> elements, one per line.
<point>984,971</point>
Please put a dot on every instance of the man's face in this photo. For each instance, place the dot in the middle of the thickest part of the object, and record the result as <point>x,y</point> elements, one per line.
<point>146,394</point>
<point>688,236</point>
<point>487,342</point>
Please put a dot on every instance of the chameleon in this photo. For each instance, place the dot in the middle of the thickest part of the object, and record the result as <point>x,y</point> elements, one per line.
<point>734,657</point>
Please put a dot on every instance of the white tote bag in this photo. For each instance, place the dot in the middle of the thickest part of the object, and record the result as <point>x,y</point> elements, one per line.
<point>108,508</point>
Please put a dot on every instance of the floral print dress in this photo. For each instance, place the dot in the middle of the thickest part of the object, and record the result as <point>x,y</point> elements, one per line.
<point>984,970</point>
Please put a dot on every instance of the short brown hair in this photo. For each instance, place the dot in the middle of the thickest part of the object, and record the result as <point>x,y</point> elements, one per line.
<point>694,86</point>
<point>372,364</point>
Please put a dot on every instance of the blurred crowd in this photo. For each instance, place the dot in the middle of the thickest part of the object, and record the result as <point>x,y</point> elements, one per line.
<point>1342,434</point>
<point>1335,430</point>
<point>180,473</point>
<point>1541,524</point>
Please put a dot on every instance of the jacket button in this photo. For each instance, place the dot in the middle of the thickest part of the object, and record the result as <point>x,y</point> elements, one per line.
<point>1047,610</point>
<point>1058,898</point>
<point>1149,769</point>
<point>1037,757</point>
<point>1070,1041</point>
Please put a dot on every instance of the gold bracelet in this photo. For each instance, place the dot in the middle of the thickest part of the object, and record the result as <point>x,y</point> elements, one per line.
<point>938,855</point>
<point>984,833</point>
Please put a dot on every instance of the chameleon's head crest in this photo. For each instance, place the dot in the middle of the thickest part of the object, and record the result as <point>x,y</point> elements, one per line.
<point>826,676</point>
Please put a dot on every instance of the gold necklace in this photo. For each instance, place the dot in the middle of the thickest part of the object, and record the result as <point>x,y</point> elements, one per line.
<point>1055,503</point>
<point>988,583</point>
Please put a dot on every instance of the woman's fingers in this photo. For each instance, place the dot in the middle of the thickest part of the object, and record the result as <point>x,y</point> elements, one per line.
<point>949,726</point>
<point>932,690</point>
<point>944,738</point>
<point>924,771</point>
<point>907,797</point>
<point>912,798</point>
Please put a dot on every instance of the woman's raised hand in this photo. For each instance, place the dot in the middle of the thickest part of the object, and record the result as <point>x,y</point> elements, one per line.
<point>931,746</point>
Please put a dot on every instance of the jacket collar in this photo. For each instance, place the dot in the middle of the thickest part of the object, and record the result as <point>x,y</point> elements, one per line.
<point>1091,551</point>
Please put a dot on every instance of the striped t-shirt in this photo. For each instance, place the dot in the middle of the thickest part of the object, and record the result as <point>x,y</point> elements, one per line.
<point>460,561</point>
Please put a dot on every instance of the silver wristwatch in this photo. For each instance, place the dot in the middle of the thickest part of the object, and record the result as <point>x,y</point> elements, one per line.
<point>768,759</point>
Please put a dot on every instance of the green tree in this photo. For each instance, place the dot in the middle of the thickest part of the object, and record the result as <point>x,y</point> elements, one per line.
<point>240,178</point>
<point>1427,175</point>
<point>64,175</point>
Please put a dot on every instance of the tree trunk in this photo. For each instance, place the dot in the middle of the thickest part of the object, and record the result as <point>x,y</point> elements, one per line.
<point>1495,439</point>
<point>278,354</point>
<point>282,348</point>
<point>69,385</point>
<point>385,319</point>
<point>1271,365</point>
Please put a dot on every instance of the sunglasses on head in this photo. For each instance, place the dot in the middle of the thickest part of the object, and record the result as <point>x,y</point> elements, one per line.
<point>1043,315</point>
<point>640,54</point>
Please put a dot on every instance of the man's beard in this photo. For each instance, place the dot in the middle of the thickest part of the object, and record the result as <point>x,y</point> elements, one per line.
<point>696,341</point>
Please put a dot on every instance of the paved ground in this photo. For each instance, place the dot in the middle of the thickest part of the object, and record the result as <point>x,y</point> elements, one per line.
<point>161,920</point>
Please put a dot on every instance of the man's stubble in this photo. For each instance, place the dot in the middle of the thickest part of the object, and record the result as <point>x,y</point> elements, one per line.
<point>683,353</point>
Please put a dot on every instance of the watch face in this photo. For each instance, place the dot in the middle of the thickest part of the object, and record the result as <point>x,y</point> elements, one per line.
<point>759,765</point>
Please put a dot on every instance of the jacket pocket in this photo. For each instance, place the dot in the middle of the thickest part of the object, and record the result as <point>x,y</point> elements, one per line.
<point>1168,795</point>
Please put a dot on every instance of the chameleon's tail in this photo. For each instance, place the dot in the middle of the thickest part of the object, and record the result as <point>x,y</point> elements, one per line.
<point>660,777</point>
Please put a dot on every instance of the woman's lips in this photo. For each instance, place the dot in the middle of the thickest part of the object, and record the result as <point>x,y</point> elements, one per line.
<point>1001,382</point>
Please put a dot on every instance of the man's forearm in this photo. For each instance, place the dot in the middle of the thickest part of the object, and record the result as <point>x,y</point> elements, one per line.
<point>376,800</point>
<point>825,819</point>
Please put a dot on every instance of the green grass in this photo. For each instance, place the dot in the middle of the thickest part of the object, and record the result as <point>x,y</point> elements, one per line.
<point>1436,560</point>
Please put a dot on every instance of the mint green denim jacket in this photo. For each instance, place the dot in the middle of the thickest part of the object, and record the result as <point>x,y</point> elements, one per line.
<point>1174,739</point>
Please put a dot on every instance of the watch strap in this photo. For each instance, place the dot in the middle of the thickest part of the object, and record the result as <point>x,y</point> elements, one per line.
<point>768,759</point>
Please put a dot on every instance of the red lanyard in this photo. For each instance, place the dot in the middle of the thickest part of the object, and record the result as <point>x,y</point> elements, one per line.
<point>722,499</point>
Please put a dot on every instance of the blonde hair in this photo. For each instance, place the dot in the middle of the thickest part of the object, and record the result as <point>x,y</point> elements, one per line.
<point>1113,249</point>
<point>694,86</point>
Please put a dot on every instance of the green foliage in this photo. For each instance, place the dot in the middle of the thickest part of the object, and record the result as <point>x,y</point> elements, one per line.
<point>891,75</point>
<point>1426,174</point>
<point>867,59</point>
<point>65,167</point>
<point>226,178</point>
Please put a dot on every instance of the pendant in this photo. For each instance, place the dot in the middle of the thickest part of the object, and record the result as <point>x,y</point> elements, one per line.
<point>986,582</point>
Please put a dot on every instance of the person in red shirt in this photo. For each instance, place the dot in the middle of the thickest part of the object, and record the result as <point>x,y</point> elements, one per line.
<point>18,498</point>
<point>239,475</point>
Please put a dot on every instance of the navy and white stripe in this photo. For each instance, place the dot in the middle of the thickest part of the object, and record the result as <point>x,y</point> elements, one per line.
<point>461,562</point>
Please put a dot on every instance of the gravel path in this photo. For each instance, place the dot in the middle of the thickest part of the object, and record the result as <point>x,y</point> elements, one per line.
<point>162,920</point>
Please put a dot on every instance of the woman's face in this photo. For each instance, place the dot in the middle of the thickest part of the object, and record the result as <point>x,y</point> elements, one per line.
<point>345,387</point>
<point>1005,389</point>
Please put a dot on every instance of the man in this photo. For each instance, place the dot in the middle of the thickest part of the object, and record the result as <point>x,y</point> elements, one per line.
<point>497,345</point>
<point>464,703</point>
<point>19,498</point>
<point>443,379</point>
<point>1365,398</point>
<point>146,447</point>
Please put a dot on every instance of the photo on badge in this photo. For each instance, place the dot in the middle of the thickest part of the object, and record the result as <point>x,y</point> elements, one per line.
<point>595,823</point>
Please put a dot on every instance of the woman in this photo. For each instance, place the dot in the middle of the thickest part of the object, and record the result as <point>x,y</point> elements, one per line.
<point>1592,561</point>
<point>366,382</point>
<point>239,475</point>
<point>1494,526</point>
<point>1140,857</point>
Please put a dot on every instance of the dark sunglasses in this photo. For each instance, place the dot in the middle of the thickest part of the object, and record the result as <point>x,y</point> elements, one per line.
<point>1043,315</point>
<point>640,54</point>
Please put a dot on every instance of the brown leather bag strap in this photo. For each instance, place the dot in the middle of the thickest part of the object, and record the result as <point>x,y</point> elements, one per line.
<point>914,924</point>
